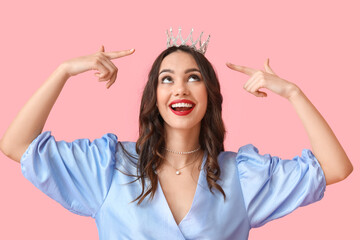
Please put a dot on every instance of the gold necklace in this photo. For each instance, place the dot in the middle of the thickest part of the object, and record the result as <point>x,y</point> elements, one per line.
<point>178,172</point>
<point>183,153</point>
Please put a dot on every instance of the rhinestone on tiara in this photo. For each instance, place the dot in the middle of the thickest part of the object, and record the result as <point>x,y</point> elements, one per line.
<point>173,41</point>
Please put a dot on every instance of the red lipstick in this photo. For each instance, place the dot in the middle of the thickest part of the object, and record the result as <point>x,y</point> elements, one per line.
<point>182,113</point>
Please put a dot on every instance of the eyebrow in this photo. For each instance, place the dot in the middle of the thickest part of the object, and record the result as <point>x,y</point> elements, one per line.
<point>187,71</point>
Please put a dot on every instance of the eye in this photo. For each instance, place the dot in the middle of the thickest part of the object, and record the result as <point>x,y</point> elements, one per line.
<point>166,79</point>
<point>194,78</point>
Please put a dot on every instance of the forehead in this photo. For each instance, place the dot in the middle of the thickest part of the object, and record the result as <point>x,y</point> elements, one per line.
<point>178,60</point>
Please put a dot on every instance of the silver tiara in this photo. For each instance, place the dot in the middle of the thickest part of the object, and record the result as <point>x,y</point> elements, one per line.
<point>172,41</point>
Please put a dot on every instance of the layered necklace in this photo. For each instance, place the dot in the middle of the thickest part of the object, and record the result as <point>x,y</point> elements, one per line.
<point>178,172</point>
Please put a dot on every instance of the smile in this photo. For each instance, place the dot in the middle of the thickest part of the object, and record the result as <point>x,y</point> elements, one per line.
<point>182,107</point>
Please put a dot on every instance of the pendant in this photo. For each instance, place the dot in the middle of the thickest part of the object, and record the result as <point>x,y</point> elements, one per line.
<point>177,172</point>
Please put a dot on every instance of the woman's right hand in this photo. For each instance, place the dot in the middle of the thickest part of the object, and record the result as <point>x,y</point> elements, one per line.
<point>99,61</point>
<point>30,121</point>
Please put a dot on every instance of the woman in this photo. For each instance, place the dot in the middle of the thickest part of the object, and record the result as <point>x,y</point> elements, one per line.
<point>176,182</point>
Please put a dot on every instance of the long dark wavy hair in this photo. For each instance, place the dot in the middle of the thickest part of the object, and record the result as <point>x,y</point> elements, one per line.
<point>151,142</point>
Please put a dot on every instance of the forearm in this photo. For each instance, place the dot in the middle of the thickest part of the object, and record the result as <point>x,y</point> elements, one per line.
<point>29,122</point>
<point>31,119</point>
<point>325,146</point>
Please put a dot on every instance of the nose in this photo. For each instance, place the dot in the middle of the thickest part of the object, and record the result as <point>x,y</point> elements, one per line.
<point>181,88</point>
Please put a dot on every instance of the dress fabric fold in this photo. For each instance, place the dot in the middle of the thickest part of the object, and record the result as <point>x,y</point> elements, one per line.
<point>87,179</point>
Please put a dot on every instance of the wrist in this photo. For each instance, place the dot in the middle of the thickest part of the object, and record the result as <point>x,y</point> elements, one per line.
<point>63,70</point>
<point>294,93</point>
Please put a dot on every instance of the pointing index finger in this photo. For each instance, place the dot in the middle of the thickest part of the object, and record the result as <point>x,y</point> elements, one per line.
<point>243,69</point>
<point>119,54</point>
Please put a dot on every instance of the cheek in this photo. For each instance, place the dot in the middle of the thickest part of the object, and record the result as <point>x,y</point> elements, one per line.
<point>158,96</point>
<point>161,98</point>
<point>203,96</point>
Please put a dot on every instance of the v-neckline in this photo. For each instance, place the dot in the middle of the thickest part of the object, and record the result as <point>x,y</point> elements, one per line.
<point>194,198</point>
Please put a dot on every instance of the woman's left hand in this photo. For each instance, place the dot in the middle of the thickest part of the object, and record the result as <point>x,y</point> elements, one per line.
<point>325,146</point>
<point>265,79</point>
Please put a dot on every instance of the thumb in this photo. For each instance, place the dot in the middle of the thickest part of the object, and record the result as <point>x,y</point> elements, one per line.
<point>268,68</point>
<point>102,49</point>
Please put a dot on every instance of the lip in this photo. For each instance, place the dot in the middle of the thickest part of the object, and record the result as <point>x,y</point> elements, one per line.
<point>182,113</point>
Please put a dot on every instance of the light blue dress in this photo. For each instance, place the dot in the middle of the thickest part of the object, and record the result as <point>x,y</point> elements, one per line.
<point>84,177</point>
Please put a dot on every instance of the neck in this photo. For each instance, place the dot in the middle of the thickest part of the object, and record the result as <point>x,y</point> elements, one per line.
<point>181,140</point>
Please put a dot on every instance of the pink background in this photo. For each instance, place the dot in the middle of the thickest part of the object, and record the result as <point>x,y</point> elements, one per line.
<point>312,43</point>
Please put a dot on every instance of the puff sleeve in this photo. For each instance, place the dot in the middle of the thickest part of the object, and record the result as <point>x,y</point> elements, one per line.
<point>273,188</point>
<point>76,174</point>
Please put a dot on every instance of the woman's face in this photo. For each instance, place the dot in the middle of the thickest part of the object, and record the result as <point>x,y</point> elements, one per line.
<point>181,92</point>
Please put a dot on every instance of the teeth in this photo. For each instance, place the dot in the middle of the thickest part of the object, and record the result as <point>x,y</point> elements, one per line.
<point>181,105</point>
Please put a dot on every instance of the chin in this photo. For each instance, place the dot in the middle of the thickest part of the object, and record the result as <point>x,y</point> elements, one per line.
<point>182,125</point>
